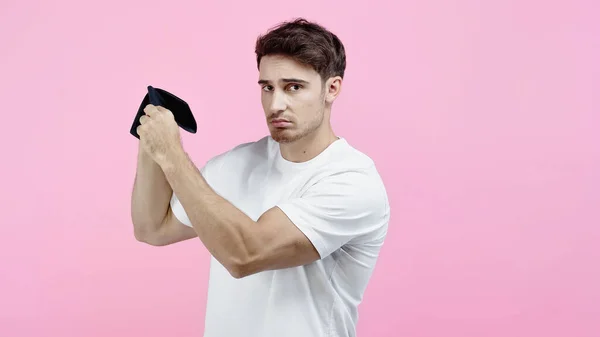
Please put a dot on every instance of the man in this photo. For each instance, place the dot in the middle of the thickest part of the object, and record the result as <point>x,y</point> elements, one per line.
<point>294,221</point>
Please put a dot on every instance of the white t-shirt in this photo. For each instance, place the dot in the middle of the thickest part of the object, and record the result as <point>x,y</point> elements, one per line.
<point>338,201</point>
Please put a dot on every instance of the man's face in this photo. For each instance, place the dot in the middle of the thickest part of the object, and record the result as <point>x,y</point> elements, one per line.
<point>293,98</point>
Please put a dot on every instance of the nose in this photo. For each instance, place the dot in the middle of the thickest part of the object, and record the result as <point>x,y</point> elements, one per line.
<point>278,103</point>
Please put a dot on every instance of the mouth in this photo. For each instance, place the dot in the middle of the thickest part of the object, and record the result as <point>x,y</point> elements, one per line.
<point>280,123</point>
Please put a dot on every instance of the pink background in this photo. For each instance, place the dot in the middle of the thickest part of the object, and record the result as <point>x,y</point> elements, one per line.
<point>482,117</point>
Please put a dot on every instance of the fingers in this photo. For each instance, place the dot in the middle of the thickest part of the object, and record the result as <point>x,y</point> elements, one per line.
<point>143,119</point>
<point>152,110</point>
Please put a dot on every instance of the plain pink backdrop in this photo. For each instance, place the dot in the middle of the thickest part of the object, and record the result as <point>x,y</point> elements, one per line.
<point>482,118</point>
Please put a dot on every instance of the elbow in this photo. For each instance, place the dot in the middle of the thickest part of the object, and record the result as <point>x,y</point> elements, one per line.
<point>139,234</point>
<point>249,260</point>
<point>236,273</point>
<point>151,240</point>
<point>241,268</point>
<point>237,270</point>
<point>140,229</point>
<point>143,235</point>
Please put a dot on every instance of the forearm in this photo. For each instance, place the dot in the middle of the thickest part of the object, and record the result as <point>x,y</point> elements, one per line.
<point>223,229</point>
<point>150,196</point>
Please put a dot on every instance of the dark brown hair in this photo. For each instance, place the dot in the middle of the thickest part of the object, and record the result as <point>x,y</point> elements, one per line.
<point>306,42</point>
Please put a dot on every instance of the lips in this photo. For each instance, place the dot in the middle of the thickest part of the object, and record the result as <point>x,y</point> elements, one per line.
<point>280,123</point>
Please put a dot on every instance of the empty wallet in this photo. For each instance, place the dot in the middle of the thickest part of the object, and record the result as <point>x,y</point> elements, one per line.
<point>180,109</point>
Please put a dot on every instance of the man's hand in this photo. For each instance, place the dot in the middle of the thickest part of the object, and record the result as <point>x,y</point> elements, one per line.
<point>159,134</point>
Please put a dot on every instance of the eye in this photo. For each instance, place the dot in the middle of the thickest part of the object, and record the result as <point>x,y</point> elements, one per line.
<point>295,87</point>
<point>267,88</point>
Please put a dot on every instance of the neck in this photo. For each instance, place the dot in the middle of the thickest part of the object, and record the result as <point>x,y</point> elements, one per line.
<point>309,146</point>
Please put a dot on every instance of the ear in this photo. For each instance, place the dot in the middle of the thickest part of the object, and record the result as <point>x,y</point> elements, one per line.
<point>333,87</point>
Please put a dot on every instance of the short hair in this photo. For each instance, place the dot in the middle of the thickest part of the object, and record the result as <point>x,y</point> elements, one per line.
<point>306,42</point>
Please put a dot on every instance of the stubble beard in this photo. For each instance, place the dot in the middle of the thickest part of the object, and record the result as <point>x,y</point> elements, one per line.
<point>287,136</point>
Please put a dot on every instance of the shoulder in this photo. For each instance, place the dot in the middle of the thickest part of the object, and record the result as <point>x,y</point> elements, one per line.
<point>349,166</point>
<point>241,152</point>
<point>350,180</point>
<point>345,201</point>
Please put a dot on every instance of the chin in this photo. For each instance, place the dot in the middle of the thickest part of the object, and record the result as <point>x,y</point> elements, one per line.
<point>284,136</point>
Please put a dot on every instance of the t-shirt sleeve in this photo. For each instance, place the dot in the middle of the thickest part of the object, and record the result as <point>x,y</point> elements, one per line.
<point>343,208</point>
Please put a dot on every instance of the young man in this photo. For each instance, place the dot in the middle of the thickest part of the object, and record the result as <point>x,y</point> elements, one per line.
<point>294,221</point>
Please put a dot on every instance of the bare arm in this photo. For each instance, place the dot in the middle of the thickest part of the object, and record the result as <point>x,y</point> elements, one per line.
<point>240,244</point>
<point>150,211</point>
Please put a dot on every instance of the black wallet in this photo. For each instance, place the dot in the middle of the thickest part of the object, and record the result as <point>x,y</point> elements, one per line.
<point>180,109</point>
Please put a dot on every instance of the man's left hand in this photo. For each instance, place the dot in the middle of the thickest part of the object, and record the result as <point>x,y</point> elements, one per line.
<point>159,134</point>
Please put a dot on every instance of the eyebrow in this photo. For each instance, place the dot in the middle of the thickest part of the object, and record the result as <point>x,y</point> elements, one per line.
<point>285,80</point>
